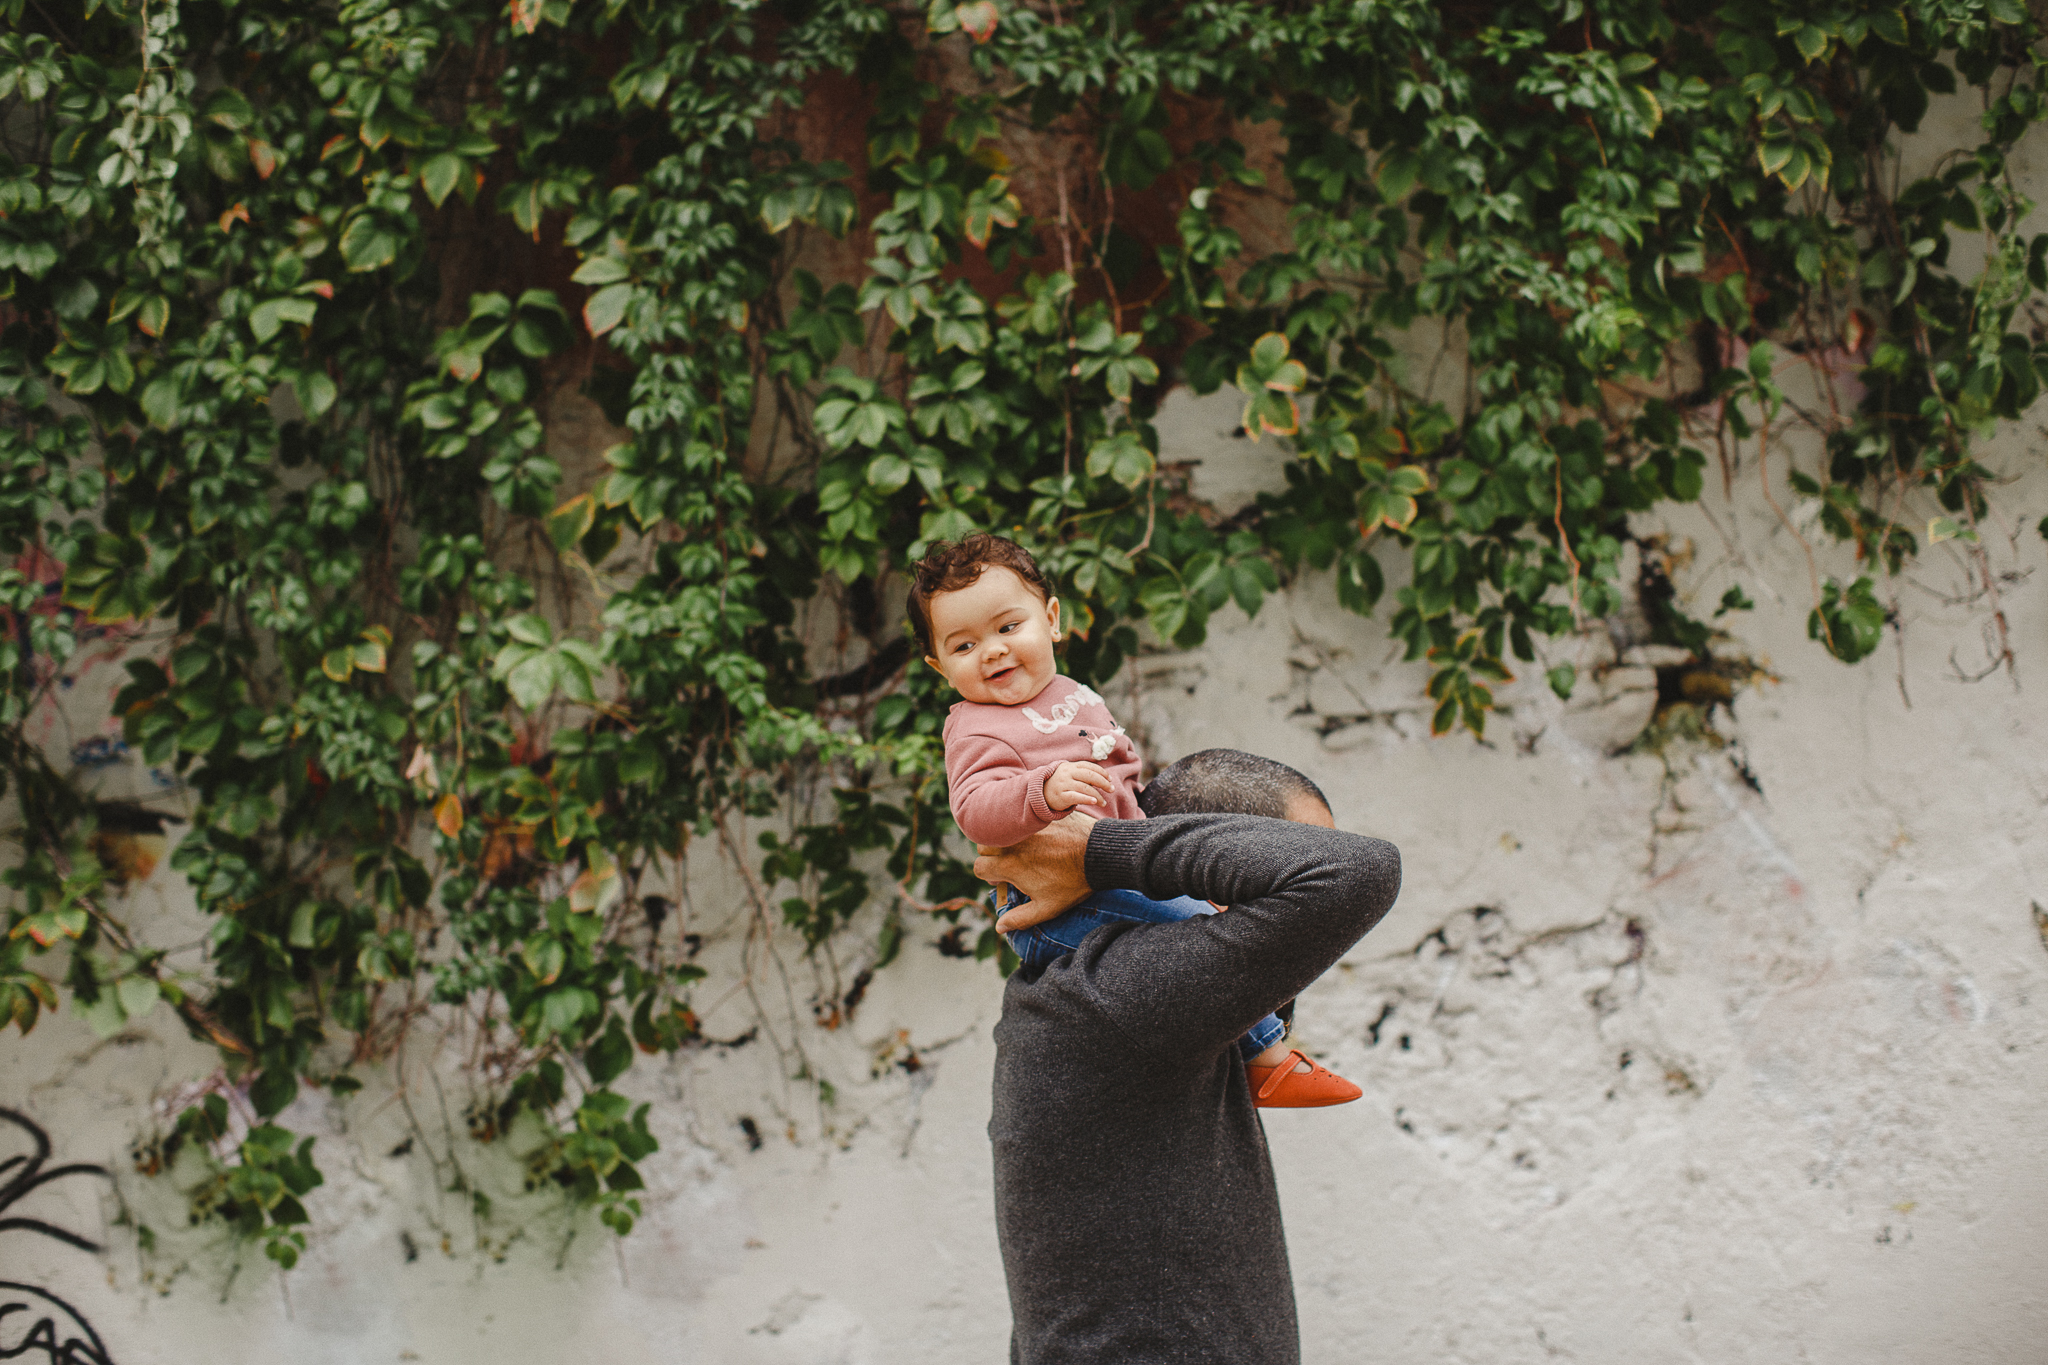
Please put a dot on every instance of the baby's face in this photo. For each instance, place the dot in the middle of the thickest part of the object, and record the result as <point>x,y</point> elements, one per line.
<point>993,639</point>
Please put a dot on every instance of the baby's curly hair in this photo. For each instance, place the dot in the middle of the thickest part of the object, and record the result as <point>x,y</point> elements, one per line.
<point>949,567</point>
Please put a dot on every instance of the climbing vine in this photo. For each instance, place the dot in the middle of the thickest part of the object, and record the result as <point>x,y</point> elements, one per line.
<point>293,293</point>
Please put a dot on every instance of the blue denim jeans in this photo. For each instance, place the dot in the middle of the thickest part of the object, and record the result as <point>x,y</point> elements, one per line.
<point>1060,935</point>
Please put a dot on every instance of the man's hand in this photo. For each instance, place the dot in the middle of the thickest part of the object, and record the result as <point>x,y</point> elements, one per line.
<point>1077,784</point>
<point>1047,867</point>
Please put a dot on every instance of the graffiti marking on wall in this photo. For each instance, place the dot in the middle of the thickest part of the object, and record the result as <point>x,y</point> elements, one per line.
<point>32,1176</point>
<point>36,1321</point>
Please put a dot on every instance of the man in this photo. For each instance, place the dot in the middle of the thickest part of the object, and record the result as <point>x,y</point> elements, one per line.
<point>1135,1203</point>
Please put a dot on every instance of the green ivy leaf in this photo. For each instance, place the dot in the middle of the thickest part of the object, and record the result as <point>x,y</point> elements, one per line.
<point>367,245</point>
<point>564,1007</point>
<point>602,270</point>
<point>570,522</point>
<point>545,958</point>
<point>160,402</point>
<point>315,391</point>
<point>532,681</point>
<point>137,995</point>
<point>887,473</point>
<point>267,317</point>
<point>606,308</point>
<point>530,630</point>
<point>439,175</point>
<point>609,1057</point>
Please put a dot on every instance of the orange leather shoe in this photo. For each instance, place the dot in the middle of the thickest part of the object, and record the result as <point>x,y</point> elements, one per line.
<point>1282,1087</point>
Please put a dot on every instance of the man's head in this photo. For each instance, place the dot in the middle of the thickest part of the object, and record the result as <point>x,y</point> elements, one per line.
<point>987,619</point>
<point>1232,782</point>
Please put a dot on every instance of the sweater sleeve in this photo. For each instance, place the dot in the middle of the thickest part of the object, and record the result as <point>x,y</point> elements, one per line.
<point>996,799</point>
<point>1299,897</point>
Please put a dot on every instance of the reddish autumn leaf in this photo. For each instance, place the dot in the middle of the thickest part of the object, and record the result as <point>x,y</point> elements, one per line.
<point>129,857</point>
<point>327,147</point>
<point>526,14</point>
<point>505,845</point>
<point>324,288</point>
<point>239,211</point>
<point>979,19</point>
<point>589,889</point>
<point>154,315</point>
<point>263,157</point>
<point>448,815</point>
<point>1855,331</point>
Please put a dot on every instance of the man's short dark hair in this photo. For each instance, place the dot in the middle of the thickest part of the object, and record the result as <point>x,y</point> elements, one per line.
<point>1227,782</point>
<point>951,567</point>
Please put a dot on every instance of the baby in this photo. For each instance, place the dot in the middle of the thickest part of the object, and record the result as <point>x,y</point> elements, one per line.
<point>1028,745</point>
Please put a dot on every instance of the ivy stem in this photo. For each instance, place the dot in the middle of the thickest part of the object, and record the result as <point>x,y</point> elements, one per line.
<point>51,20</point>
<point>1883,559</point>
<point>1564,542</point>
<point>764,926</point>
<point>1066,239</point>
<point>1066,390</point>
<point>909,898</point>
<point>1763,474</point>
<point>1740,258</point>
<point>142,80</point>
<point>1151,512</point>
<point>1982,562</point>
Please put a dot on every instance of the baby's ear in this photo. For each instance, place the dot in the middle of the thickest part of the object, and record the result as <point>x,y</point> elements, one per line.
<point>933,664</point>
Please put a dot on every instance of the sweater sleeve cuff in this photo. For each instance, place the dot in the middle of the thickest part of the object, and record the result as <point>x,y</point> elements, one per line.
<point>1034,797</point>
<point>1114,860</point>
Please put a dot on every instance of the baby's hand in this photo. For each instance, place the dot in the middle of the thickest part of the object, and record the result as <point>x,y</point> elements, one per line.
<point>1078,784</point>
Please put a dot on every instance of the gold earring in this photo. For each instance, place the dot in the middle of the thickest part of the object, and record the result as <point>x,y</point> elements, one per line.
<point>1055,637</point>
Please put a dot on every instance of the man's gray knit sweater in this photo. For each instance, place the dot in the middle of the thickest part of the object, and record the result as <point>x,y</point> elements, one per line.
<point>1134,1196</point>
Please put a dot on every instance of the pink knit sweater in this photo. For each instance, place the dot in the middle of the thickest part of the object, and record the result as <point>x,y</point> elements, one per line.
<point>998,757</point>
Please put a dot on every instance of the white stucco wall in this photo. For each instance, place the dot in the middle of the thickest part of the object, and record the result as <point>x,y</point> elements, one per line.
<point>1659,1066</point>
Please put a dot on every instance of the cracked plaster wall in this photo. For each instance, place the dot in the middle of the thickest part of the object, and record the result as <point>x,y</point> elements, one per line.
<point>1660,1065</point>
<point>1722,1051</point>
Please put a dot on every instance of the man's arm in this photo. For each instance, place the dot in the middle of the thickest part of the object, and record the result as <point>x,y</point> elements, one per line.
<point>1299,897</point>
<point>1049,867</point>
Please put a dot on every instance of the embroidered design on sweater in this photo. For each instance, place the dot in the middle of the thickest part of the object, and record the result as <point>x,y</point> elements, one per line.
<point>1063,713</point>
